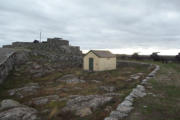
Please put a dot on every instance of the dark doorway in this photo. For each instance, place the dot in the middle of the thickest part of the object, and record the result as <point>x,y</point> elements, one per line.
<point>91,64</point>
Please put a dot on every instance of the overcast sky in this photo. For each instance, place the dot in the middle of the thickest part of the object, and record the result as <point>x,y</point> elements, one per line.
<point>119,25</point>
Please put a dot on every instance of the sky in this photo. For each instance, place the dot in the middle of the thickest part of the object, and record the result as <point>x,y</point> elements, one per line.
<point>122,26</point>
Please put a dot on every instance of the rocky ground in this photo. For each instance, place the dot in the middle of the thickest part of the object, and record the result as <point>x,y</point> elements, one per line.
<point>38,90</point>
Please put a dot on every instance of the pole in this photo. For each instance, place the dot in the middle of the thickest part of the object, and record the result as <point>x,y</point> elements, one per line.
<point>40,37</point>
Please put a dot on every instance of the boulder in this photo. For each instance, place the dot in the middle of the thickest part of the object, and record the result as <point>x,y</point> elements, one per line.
<point>92,102</point>
<point>8,103</point>
<point>13,110</point>
<point>84,112</point>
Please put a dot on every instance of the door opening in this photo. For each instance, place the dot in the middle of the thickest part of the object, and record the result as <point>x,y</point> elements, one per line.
<point>91,64</point>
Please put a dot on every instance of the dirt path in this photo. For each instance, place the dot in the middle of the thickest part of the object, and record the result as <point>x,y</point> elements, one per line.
<point>163,99</point>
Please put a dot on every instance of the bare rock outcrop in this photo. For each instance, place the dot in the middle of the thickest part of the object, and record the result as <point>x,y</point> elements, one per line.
<point>13,110</point>
<point>70,78</point>
<point>27,90</point>
<point>89,103</point>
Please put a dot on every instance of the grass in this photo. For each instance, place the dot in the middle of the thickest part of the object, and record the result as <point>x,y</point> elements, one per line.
<point>165,104</point>
<point>117,78</point>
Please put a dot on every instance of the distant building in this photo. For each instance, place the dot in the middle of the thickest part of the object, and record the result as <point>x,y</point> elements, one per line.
<point>98,60</point>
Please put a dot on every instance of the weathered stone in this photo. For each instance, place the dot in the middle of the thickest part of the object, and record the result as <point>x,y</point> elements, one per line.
<point>111,118</point>
<point>108,109</point>
<point>108,88</point>
<point>44,100</point>
<point>129,98</point>
<point>126,103</point>
<point>135,77</point>
<point>137,93</point>
<point>124,109</point>
<point>96,81</point>
<point>19,113</point>
<point>84,112</point>
<point>117,114</point>
<point>7,61</point>
<point>91,101</point>
<point>113,94</point>
<point>140,87</point>
<point>12,110</point>
<point>29,89</point>
<point>70,78</point>
<point>8,103</point>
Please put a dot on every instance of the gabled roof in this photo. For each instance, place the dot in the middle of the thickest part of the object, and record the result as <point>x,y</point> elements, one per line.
<point>102,53</point>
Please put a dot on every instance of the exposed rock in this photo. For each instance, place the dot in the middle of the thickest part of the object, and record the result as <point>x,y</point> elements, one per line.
<point>36,66</point>
<point>117,114</point>
<point>124,109</point>
<point>16,111</point>
<point>70,78</point>
<point>113,94</point>
<point>139,91</point>
<point>74,96</point>
<point>110,118</point>
<point>108,109</point>
<point>129,98</point>
<point>108,88</point>
<point>19,113</point>
<point>84,112</point>
<point>8,103</point>
<point>96,81</point>
<point>29,89</point>
<point>7,61</point>
<point>44,100</point>
<point>135,77</point>
<point>37,70</point>
<point>90,101</point>
<point>126,103</point>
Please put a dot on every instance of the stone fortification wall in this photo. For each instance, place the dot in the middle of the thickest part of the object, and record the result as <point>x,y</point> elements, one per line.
<point>52,44</point>
<point>53,50</point>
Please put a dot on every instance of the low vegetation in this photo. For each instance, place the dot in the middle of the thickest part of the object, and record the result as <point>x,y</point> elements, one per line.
<point>93,85</point>
<point>162,101</point>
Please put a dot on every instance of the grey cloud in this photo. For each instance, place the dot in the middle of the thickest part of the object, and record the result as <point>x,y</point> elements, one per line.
<point>93,24</point>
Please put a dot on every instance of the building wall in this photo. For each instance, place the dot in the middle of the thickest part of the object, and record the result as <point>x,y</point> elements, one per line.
<point>86,61</point>
<point>107,64</point>
<point>100,64</point>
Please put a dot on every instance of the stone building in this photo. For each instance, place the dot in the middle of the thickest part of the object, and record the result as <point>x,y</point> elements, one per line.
<point>96,60</point>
